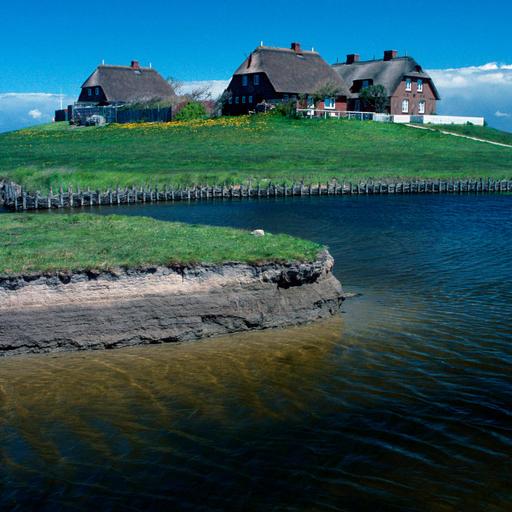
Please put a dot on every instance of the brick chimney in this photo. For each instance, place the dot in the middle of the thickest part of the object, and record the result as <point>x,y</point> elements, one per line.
<point>296,48</point>
<point>135,64</point>
<point>353,57</point>
<point>390,54</point>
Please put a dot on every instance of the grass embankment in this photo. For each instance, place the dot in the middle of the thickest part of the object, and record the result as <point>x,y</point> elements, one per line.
<point>480,132</point>
<point>51,243</point>
<point>234,150</point>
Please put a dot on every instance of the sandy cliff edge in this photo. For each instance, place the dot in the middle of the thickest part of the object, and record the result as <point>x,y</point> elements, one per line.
<point>100,310</point>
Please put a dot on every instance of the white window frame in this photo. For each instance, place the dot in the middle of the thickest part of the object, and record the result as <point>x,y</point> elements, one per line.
<point>420,85</point>
<point>256,79</point>
<point>310,102</point>
<point>250,99</point>
<point>245,80</point>
<point>405,106</point>
<point>408,85</point>
<point>332,103</point>
<point>422,105</point>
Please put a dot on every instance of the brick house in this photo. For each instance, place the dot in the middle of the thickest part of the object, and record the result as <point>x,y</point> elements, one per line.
<point>411,91</point>
<point>117,85</point>
<point>281,74</point>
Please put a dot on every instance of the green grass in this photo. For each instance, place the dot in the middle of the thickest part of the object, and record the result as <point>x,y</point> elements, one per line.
<point>234,150</point>
<point>56,242</point>
<point>479,132</point>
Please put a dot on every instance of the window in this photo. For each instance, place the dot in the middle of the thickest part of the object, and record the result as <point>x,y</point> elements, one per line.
<point>405,107</point>
<point>243,99</point>
<point>330,103</point>
<point>311,102</point>
<point>97,91</point>
<point>237,100</point>
<point>256,79</point>
<point>245,80</point>
<point>420,85</point>
<point>421,107</point>
<point>250,99</point>
<point>89,91</point>
<point>366,84</point>
<point>408,85</point>
<point>230,100</point>
<point>286,97</point>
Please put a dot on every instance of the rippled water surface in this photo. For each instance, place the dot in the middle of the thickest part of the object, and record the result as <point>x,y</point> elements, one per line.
<point>402,403</point>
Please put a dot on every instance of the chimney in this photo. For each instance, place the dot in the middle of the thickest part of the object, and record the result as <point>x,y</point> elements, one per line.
<point>135,64</point>
<point>353,57</point>
<point>296,47</point>
<point>390,54</point>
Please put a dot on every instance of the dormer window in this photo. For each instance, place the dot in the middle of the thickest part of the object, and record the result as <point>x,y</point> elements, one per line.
<point>366,84</point>
<point>89,91</point>
<point>408,85</point>
<point>256,79</point>
<point>245,80</point>
<point>97,91</point>
<point>420,85</point>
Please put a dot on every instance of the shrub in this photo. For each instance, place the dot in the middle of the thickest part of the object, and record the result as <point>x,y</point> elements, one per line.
<point>192,110</point>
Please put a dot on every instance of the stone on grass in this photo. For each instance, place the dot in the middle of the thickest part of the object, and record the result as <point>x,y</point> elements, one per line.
<point>258,232</point>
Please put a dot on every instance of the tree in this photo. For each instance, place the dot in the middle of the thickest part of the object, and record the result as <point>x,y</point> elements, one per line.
<point>192,110</point>
<point>328,90</point>
<point>374,99</point>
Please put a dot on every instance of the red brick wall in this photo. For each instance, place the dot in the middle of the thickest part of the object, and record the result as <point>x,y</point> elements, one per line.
<point>414,98</point>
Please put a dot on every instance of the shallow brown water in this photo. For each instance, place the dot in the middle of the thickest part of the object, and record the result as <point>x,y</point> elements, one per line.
<point>402,403</point>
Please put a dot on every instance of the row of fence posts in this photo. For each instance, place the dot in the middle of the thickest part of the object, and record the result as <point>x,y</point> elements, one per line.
<point>15,198</point>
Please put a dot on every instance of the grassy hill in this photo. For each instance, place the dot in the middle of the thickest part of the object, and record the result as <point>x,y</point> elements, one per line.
<point>480,132</point>
<point>44,243</point>
<point>234,150</point>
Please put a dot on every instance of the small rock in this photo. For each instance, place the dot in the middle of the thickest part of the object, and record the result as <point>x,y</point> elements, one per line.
<point>258,232</point>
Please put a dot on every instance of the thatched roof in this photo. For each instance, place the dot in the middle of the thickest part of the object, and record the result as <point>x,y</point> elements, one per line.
<point>388,73</point>
<point>130,84</point>
<point>292,71</point>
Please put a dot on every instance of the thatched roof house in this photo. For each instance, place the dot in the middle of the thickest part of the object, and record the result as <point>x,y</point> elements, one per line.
<point>114,85</point>
<point>279,74</point>
<point>405,82</point>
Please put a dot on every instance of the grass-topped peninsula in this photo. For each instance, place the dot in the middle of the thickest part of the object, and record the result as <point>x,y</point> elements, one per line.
<point>56,242</point>
<point>235,150</point>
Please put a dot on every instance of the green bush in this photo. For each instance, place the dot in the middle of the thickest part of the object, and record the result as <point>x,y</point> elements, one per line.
<point>192,110</point>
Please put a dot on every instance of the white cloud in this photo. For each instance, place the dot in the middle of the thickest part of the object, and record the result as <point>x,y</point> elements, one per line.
<point>18,110</point>
<point>216,87</point>
<point>35,113</point>
<point>484,90</point>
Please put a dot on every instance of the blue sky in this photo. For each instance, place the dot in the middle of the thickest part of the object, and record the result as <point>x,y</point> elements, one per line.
<point>51,46</point>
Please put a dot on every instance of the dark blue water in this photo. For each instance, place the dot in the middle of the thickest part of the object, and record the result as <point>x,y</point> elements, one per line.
<point>403,404</point>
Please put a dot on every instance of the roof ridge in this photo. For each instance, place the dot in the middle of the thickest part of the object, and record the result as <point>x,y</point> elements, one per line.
<point>359,62</point>
<point>288,50</point>
<point>117,66</point>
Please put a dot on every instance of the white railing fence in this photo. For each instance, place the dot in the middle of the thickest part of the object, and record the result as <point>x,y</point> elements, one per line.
<point>343,114</point>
